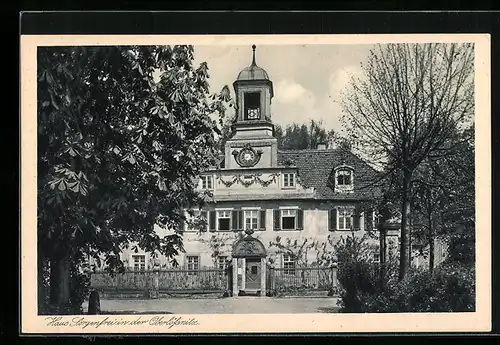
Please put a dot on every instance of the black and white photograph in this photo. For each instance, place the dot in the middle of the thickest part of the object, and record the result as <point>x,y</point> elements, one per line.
<point>178,181</point>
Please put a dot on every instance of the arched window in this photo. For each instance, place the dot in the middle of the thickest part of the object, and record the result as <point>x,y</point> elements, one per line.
<point>344,179</point>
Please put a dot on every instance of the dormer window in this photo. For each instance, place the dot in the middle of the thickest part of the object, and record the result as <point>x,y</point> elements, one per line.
<point>252,106</point>
<point>206,182</point>
<point>344,179</point>
<point>288,180</point>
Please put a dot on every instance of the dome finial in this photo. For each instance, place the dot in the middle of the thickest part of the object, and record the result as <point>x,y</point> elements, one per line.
<point>253,59</point>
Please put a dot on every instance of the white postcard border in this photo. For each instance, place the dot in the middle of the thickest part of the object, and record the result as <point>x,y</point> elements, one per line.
<point>254,323</point>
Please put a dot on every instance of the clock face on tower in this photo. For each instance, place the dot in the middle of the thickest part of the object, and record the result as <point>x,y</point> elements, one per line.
<point>247,156</point>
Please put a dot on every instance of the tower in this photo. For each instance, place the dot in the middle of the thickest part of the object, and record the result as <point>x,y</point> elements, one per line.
<point>253,143</point>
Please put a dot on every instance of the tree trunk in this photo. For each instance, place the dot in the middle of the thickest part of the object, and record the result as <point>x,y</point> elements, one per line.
<point>382,259</point>
<point>41,286</point>
<point>431,244</point>
<point>59,284</point>
<point>404,261</point>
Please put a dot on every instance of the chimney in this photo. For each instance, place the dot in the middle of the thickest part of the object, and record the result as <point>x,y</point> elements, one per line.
<point>321,146</point>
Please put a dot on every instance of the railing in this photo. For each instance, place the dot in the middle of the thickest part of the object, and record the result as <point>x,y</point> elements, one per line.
<point>128,280</point>
<point>171,280</point>
<point>205,279</point>
<point>152,283</point>
<point>302,278</point>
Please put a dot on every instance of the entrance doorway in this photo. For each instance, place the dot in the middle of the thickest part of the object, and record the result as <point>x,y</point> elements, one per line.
<point>248,266</point>
<point>253,274</point>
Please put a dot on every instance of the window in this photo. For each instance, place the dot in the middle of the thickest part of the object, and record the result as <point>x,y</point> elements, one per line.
<point>288,180</point>
<point>288,219</point>
<point>343,220</point>
<point>139,262</point>
<point>224,220</point>
<point>288,264</point>
<point>221,262</point>
<point>192,264</point>
<point>252,106</point>
<point>251,220</point>
<point>206,182</point>
<point>344,179</point>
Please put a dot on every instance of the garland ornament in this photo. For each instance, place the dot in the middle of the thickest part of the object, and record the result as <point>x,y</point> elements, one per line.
<point>248,180</point>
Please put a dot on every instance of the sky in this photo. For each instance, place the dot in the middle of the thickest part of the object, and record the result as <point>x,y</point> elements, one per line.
<point>307,79</point>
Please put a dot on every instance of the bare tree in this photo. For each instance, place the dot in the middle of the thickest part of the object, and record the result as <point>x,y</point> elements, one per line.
<point>411,99</point>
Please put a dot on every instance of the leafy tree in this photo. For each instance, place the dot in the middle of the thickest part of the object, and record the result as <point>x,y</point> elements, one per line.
<point>300,137</point>
<point>444,191</point>
<point>411,100</point>
<point>226,132</point>
<point>118,152</point>
<point>290,137</point>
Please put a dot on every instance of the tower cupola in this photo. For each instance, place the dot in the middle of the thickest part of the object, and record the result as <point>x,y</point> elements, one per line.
<point>254,92</point>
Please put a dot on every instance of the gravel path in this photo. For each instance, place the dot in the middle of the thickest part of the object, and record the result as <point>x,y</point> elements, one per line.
<point>237,305</point>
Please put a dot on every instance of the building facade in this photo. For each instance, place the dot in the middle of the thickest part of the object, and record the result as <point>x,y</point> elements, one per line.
<point>264,195</point>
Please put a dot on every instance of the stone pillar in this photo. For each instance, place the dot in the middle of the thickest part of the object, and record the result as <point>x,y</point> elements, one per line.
<point>243,273</point>
<point>263,277</point>
<point>235,277</point>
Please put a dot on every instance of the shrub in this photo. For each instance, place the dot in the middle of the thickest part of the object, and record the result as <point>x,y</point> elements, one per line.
<point>357,273</point>
<point>462,247</point>
<point>449,288</point>
<point>43,286</point>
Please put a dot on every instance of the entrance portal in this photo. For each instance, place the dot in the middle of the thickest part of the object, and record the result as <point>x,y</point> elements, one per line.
<point>249,266</point>
<point>253,274</point>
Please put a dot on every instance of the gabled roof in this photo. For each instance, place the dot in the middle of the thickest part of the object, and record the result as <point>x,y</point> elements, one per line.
<point>315,169</point>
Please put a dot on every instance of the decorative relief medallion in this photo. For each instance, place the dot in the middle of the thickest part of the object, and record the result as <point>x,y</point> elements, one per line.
<point>247,156</point>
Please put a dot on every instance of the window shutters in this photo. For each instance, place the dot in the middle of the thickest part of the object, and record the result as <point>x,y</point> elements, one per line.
<point>240,220</point>
<point>204,215</point>
<point>277,221</point>
<point>369,219</point>
<point>356,217</point>
<point>332,219</point>
<point>300,219</point>
<point>237,220</point>
<point>211,220</point>
<point>234,220</point>
<point>262,225</point>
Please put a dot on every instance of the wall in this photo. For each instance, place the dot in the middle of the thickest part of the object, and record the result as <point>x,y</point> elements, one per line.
<point>315,228</point>
<point>440,254</point>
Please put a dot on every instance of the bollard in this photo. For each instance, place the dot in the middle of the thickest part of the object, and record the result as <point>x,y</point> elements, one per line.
<point>94,303</point>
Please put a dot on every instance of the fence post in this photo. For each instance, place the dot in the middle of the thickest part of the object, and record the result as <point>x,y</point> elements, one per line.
<point>333,289</point>
<point>94,307</point>
<point>273,280</point>
<point>157,284</point>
